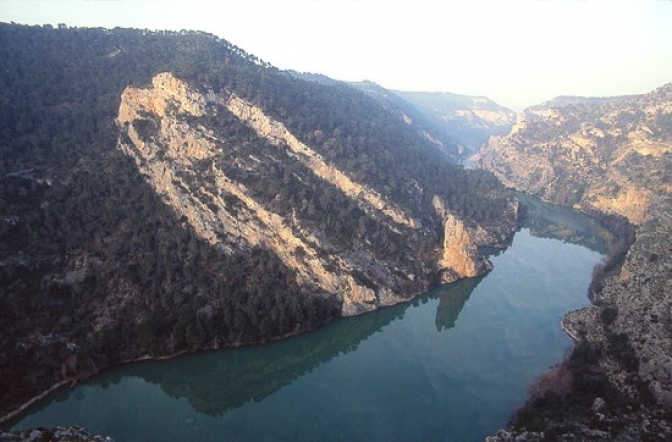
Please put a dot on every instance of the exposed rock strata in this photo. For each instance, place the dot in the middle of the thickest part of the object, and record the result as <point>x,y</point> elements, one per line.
<point>460,257</point>
<point>172,152</point>
<point>231,204</point>
<point>370,200</point>
<point>178,146</point>
<point>607,156</point>
<point>178,138</point>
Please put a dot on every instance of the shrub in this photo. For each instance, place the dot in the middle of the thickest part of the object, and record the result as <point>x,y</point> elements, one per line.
<point>557,381</point>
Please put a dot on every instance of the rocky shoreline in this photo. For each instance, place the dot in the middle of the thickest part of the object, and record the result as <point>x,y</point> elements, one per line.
<point>615,394</point>
<point>53,434</point>
<point>585,155</point>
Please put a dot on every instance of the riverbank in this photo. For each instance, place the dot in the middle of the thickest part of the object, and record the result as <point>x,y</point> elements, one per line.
<point>53,434</point>
<point>438,365</point>
<point>622,365</point>
<point>72,381</point>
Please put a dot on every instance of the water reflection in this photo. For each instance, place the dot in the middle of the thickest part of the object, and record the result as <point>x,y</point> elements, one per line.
<point>452,298</point>
<point>564,224</point>
<point>221,381</point>
<point>448,366</point>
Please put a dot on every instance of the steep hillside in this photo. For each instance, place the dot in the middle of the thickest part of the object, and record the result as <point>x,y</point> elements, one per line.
<point>426,126</point>
<point>167,192</point>
<point>612,158</point>
<point>456,125</point>
<point>610,155</point>
<point>469,121</point>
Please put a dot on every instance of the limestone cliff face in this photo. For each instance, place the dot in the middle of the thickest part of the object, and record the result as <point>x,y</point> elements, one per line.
<point>459,255</point>
<point>230,204</point>
<point>176,148</point>
<point>602,154</point>
<point>610,156</point>
<point>368,199</point>
<point>165,129</point>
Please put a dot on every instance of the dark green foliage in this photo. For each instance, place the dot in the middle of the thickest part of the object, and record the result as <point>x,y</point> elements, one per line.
<point>620,348</point>
<point>608,315</point>
<point>79,225</point>
<point>95,266</point>
<point>623,233</point>
<point>587,384</point>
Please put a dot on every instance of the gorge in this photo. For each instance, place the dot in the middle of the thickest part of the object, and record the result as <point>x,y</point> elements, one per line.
<point>609,157</point>
<point>165,193</point>
<point>448,366</point>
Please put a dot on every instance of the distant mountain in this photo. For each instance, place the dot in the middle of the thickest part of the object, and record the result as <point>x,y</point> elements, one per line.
<point>566,100</point>
<point>166,192</point>
<point>400,109</point>
<point>610,157</point>
<point>425,126</point>
<point>457,125</point>
<point>468,120</point>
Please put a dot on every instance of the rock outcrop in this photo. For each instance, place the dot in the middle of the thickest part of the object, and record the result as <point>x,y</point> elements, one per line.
<point>605,155</point>
<point>612,158</point>
<point>183,195</point>
<point>460,257</point>
<point>170,151</point>
<point>53,434</point>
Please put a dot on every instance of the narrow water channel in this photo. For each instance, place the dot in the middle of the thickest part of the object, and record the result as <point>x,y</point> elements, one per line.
<point>450,366</point>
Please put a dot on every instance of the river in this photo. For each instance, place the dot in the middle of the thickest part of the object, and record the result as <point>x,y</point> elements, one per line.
<point>450,366</point>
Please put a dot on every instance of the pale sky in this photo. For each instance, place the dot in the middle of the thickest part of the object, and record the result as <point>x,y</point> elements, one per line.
<point>518,53</point>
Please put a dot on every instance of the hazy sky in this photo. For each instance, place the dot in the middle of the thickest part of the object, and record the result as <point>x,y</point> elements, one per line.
<point>518,53</point>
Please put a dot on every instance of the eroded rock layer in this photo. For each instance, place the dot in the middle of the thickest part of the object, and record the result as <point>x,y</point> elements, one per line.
<point>172,152</point>
<point>612,158</point>
<point>162,193</point>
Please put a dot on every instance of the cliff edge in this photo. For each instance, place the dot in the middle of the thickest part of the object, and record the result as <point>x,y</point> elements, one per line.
<point>169,193</point>
<point>611,158</point>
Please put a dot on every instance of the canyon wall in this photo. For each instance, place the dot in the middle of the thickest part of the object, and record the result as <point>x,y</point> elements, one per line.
<point>613,159</point>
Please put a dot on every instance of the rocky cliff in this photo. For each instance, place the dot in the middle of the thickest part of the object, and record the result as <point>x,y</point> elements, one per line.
<point>169,155</point>
<point>460,257</point>
<point>162,193</point>
<point>468,120</point>
<point>606,155</point>
<point>612,158</point>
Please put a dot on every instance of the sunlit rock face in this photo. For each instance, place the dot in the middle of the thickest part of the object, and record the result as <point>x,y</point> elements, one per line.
<point>170,129</point>
<point>170,193</point>
<point>611,157</point>
<point>459,254</point>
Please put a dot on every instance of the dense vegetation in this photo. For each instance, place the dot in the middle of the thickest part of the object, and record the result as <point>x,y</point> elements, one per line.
<point>81,232</point>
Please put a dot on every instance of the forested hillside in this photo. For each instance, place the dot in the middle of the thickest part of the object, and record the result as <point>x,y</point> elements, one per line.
<point>427,127</point>
<point>165,192</point>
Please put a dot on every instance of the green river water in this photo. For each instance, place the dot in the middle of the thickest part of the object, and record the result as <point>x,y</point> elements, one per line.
<point>450,366</point>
